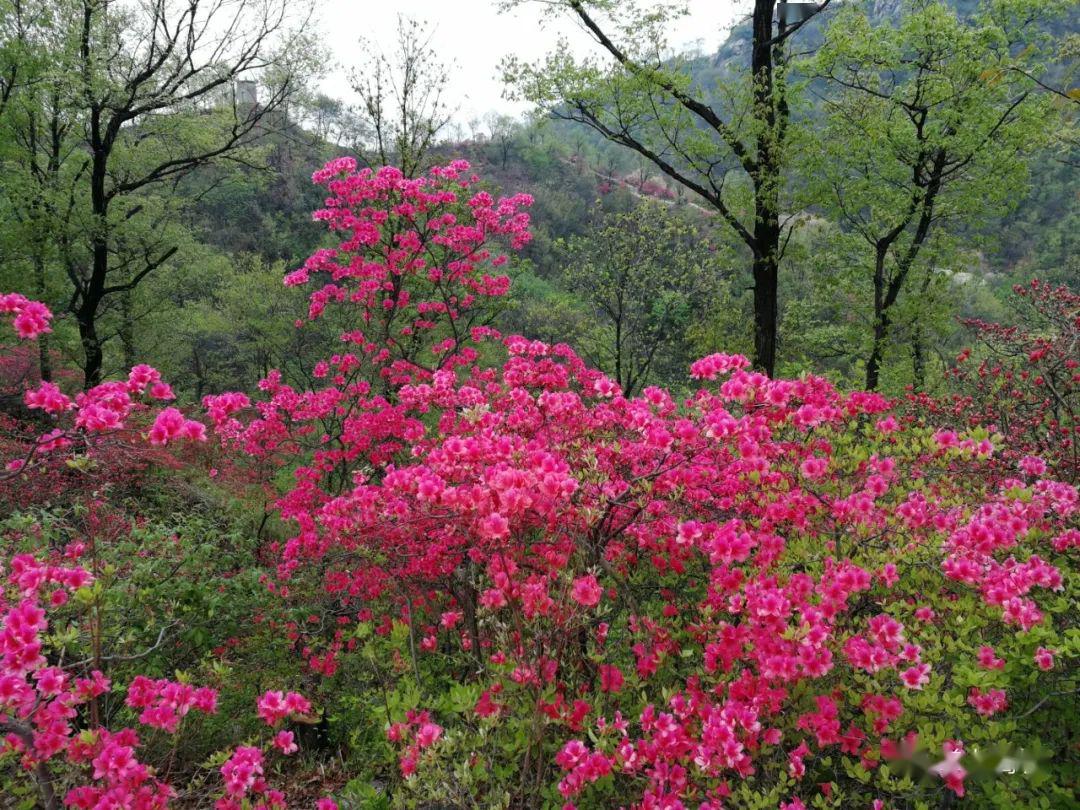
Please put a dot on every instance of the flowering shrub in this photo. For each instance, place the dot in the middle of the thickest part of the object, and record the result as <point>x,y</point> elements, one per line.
<point>50,716</point>
<point>768,594</point>
<point>43,716</point>
<point>92,427</point>
<point>687,601</point>
<point>722,595</point>
<point>1022,380</point>
<point>39,702</point>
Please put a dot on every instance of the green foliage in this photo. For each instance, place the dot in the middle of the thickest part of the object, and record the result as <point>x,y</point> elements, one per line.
<point>106,109</point>
<point>643,278</point>
<point>928,123</point>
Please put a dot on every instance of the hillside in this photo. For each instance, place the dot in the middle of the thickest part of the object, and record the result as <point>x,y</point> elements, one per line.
<point>729,461</point>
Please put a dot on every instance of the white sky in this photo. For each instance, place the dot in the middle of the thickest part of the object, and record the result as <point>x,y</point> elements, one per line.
<point>474,36</point>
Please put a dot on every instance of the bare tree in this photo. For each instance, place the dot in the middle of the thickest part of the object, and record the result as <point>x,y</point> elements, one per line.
<point>402,99</point>
<point>330,120</point>
<point>503,131</point>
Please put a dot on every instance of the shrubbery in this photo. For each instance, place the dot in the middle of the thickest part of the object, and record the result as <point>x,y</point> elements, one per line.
<point>507,585</point>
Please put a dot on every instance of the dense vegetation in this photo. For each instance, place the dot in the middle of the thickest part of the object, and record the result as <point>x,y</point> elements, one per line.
<point>709,440</point>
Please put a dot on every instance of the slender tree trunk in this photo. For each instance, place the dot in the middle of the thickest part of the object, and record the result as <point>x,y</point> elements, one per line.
<point>874,361</point>
<point>472,625</point>
<point>44,361</point>
<point>881,321</point>
<point>87,313</point>
<point>918,347</point>
<point>766,179</point>
<point>127,329</point>
<point>918,359</point>
<point>885,294</point>
<point>618,355</point>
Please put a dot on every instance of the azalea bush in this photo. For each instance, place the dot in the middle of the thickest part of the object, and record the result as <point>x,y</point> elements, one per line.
<point>1022,379</point>
<point>516,587</point>
<point>77,741</point>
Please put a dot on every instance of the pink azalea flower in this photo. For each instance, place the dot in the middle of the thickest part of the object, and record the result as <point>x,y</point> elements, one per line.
<point>586,591</point>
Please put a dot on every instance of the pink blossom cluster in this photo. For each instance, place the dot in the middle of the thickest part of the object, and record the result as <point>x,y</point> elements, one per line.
<point>170,424</point>
<point>713,366</point>
<point>106,408</point>
<point>242,773</point>
<point>416,734</point>
<point>31,318</point>
<point>165,703</point>
<point>415,253</point>
<point>273,706</point>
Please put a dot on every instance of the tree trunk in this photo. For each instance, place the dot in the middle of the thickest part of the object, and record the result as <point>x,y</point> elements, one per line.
<point>885,294</point>
<point>766,275</point>
<point>918,360</point>
<point>94,291</point>
<point>92,353</point>
<point>766,179</point>
<point>44,361</point>
<point>873,362</point>
<point>464,592</point>
<point>127,330</point>
<point>881,320</point>
<point>87,313</point>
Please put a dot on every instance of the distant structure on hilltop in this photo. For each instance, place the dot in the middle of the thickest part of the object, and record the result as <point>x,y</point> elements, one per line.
<point>246,93</point>
<point>272,126</point>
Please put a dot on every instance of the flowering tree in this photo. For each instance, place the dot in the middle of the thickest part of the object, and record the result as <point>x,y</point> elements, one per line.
<point>771,593</point>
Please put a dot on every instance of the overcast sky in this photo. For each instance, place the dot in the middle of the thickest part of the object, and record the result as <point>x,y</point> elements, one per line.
<point>474,36</point>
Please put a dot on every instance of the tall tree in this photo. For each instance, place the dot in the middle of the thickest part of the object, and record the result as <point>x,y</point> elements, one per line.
<point>929,120</point>
<point>727,146</point>
<point>149,93</point>
<point>36,146</point>
<point>403,105</point>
